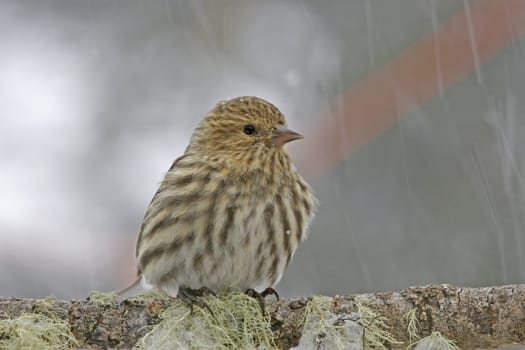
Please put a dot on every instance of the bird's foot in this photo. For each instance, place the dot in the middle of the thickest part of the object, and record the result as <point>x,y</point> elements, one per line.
<point>269,291</point>
<point>192,297</point>
<point>260,296</point>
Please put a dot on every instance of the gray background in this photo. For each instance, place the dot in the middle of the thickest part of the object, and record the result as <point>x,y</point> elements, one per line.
<point>98,97</point>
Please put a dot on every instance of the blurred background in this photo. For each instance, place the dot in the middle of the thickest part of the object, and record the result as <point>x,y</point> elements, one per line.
<point>413,113</point>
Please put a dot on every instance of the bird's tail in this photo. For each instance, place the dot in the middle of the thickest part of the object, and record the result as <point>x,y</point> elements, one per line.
<point>132,285</point>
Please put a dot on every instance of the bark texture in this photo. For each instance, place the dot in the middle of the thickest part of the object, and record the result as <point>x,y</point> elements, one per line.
<point>472,317</point>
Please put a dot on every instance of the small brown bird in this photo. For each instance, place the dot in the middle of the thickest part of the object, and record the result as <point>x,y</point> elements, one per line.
<point>231,211</point>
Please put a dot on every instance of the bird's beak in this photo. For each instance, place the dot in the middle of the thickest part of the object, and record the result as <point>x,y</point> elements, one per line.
<point>282,135</point>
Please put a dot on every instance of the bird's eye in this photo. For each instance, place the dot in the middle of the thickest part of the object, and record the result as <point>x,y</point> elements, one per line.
<point>249,129</point>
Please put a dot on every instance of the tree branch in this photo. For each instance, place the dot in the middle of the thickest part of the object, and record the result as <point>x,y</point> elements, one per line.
<point>471,317</point>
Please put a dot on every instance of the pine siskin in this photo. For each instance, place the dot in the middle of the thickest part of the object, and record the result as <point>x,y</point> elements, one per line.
<point>231,211</point>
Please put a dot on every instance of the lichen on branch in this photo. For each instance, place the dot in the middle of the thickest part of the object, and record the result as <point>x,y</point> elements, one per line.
<point>415,317</point>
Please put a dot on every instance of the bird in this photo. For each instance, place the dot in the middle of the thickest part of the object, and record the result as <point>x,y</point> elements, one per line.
<point>230,212</point>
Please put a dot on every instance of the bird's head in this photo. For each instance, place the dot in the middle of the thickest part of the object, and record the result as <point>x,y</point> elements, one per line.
<point>243,131</point>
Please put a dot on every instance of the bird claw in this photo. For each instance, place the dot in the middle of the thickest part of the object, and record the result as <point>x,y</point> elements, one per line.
<point>260,296</point>
<point>269,291</point>
<point>191,297</point>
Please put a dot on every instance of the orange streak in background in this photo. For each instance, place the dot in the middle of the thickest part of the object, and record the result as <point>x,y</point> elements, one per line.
<point>411,79</point>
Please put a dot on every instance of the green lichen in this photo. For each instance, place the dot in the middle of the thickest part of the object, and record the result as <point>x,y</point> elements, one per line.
<point>412,326</point>
<point>324,329</point>
<point>237,323</point>
<point>436,341</point>
<point>102,299</point>
<point>375,334</point>
<point>320,327</point>
<point>35,331</point>
<point>44,306</point>
<point>149,294</point>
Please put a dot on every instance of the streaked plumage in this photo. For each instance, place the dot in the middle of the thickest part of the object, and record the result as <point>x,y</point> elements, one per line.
<point>231,210</point>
